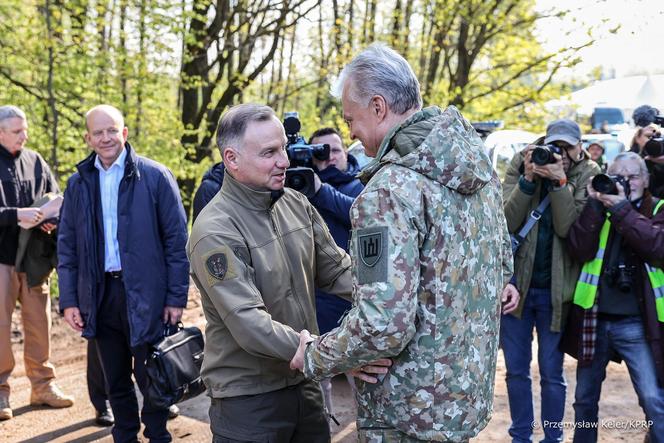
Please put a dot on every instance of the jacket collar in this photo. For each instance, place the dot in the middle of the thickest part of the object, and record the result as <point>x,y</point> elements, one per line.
<point>86,167</point>
<point>4,152</point>
<point>247,197</point>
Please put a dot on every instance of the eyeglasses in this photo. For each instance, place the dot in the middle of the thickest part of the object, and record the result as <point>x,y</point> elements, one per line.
<point>563,145</point>
<point>631,177</point>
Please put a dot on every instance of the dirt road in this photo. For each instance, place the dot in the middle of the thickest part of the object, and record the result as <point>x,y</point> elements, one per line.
<point>619,406</point>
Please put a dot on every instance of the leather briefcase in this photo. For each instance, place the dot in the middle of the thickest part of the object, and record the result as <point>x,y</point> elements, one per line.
<point>174,367</point>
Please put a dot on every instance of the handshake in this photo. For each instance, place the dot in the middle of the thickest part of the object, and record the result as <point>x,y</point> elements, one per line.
<point>364,373</point>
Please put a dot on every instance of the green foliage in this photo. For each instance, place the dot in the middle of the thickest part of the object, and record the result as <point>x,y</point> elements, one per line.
<point>165,64</point>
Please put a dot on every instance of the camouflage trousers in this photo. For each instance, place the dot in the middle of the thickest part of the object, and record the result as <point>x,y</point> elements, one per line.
<point>385,435</point>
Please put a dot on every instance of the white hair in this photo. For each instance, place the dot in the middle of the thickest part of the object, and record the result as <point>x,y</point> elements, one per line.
<point>10,111</point>
<point>380,70</point>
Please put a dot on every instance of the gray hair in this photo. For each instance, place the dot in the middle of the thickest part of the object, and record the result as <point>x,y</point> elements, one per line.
<point>623,156</point>
<point>234,122</point>
<point>10,111</point>
<point>380,70</point>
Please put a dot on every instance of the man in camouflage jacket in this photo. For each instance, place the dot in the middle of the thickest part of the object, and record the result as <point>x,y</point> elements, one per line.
<point>431,255</point>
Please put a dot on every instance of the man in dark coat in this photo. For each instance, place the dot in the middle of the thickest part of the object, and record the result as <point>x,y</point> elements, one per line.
<point>336,188</point>
<point>24,178</point>
<point>210,185</point>
<point>618,310</point>
<point>121,252</point>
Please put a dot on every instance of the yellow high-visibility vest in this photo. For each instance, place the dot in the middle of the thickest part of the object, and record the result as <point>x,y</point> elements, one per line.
<point>586,287</point>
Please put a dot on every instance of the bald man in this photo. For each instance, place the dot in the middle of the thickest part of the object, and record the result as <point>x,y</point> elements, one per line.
<point>121,252</point>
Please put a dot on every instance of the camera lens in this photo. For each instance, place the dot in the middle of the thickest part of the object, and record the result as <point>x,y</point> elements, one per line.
<point>541,156</point>
<point>296,181</point>
<point>604,184</point>
<point>654,147</point>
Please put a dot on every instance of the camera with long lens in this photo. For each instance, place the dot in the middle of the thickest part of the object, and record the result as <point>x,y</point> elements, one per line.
<point>300,175</point>
<point>543,155</point>
<point>607,184</point>
<point>621,277</point>
<point>655,146</point>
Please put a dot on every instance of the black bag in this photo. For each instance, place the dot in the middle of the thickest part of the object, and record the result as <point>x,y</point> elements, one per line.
<point>174,367</point>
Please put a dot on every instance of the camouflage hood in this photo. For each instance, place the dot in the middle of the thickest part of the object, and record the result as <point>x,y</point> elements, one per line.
<point>440,145</point>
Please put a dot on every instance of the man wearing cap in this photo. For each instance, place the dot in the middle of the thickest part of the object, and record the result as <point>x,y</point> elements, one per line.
<point>543,272</point>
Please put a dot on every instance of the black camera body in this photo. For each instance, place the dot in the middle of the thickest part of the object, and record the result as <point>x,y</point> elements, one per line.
<point>300,175</point>
<point>621,276</point>
<point>606,184</point>
<point>654,147</point>
<point>543,155</point>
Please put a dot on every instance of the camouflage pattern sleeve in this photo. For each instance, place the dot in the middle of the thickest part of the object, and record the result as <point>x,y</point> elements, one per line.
<point>386,272</point>
<point>508,258</point>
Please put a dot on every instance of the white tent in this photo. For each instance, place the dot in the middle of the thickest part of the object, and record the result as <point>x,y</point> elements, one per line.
<point>626,93</point>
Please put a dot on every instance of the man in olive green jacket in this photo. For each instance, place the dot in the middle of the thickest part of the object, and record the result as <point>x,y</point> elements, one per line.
<point>257,252</point>
<point>543,272</point>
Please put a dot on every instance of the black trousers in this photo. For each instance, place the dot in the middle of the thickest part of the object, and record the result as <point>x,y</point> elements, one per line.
<point>119,361</point>
<point>97,387</point>
<point>290,415</point>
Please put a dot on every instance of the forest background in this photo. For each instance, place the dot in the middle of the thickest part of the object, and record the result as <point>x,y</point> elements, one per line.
<point>173,67</point>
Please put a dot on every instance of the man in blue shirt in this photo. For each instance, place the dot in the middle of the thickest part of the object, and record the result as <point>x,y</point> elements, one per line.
<point>122,266</point>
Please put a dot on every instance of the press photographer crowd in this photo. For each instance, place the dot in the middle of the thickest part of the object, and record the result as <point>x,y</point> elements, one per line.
<point>406,274</point>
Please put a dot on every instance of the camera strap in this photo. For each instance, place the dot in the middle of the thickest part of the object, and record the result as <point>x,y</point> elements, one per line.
<point>533,218</point>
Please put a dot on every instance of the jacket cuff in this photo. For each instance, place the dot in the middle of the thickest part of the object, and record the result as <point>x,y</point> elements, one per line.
<point>9,217</point>
<point>62,305</point>
<point>619,209</point>
<point>527,187</point>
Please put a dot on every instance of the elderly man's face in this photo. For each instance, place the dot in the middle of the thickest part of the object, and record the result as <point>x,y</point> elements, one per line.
<point>363,123</point>
<point>630,170</point>
<point>106,135</point>
<point>261,161</point>
<point>13,134</point>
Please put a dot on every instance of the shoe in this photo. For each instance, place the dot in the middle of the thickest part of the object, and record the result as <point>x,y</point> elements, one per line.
<point>5,410</point>
<point>105,417</point>
<point>173,411</point>
<point>51,396</point>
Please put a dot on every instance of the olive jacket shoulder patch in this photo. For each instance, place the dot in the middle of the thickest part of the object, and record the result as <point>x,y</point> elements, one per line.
<point>372,254</point>
<point>219,265</point>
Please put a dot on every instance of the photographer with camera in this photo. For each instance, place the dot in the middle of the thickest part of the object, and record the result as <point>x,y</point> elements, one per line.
<point>618,311</point>
<point>649,143</point>
<point>336,188</point>
<point>544,187</point>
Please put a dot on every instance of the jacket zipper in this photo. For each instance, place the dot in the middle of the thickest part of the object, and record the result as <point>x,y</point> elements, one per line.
<point>290,272</point>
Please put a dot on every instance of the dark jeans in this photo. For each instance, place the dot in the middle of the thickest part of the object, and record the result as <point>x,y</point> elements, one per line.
<point>516,337</point>
<point>97,387</point>
<point>627,338</point>
<point>118,359</point>
<point>290,415</point>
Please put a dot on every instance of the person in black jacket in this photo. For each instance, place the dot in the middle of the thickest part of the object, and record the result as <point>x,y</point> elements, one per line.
<point>24,178</point>
<point>122,266</point>
<point>210,185</point>
<point>336,188</point>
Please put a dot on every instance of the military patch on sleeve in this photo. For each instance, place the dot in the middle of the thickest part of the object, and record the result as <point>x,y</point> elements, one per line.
<point>219,265</point>
<point>372,253</point>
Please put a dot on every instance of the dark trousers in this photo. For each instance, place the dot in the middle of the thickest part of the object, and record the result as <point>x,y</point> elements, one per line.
<point>290,415</point>
<point>118,359</point>
<point>97,387</point>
